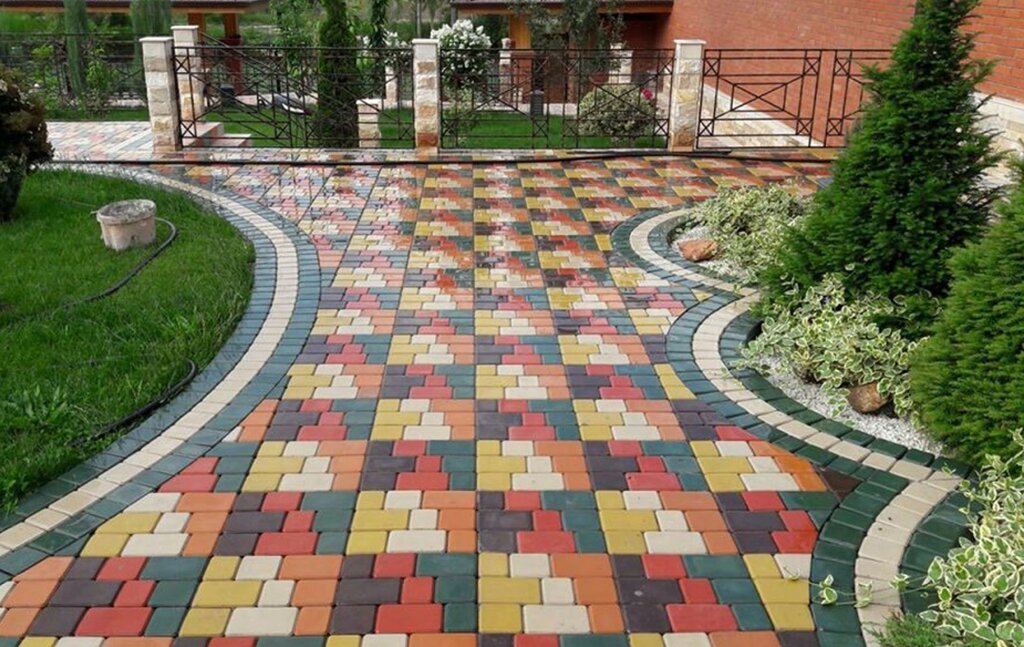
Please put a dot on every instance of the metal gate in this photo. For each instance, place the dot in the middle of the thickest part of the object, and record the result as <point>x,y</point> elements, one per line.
<point>298,97</point>
<point>772,98</point>
<point>555,98</point>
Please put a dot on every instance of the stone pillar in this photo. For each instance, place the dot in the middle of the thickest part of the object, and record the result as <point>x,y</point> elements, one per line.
<point>622,65</point>
<point>191,89</point>
<point>369,124</point>
<point>684,104</point>
<point>390,88</point>
<point>505,70</point>
<point>161,92</point>
<point>426,95</point>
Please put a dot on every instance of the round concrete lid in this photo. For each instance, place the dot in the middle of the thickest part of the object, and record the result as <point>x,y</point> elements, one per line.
<point>125,212</point>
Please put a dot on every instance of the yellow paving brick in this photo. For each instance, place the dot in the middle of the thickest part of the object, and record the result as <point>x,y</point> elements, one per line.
<point>790,617</point>
<point>387,432</point>
<point>370,500</point>
<point>277,465</point>
<point>500,464</point>
<point>493,564</point>
<point>595,432</point>
<point>501,618</point>
<point>310,380</point>
<point>104,545</point>
<point>271,448</point>
<point>298,393</point>
<point>488,448</point>
<point>599,419</point>
<point>261,483</point>
<point>639,520</point>
<point>703,448</point>
<point>645,640</point>
<point>724,482</point>
<point>762,567</point>
<point>583,406</point>
<point>388,405</point>
<point>227,593</point>
<point>625,542</point>
<point>380,520</point>
<point>38,641</point>
<point>205,622</point>
<point>131,523</point>
<point>398,417</point>
<point>494,482</point>
<point>222,567</point>
<point>783,591</point>
<point>521,590</point>
<point>609,500</point>
<point>724,465</point>
<point>343,641</point>
<point>367,542</point>
<point>302,369</point>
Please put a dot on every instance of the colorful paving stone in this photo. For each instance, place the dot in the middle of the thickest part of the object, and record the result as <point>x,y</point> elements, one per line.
<point>482,437</point>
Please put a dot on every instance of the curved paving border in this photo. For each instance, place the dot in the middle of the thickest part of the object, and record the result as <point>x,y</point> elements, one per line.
<point>249,368</point>
<point>872,532</point>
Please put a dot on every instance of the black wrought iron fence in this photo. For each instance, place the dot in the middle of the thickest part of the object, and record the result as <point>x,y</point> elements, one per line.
<point>555,98</point>
<point>297,96</point>
<point>768,98</point>
<point>91,74</point>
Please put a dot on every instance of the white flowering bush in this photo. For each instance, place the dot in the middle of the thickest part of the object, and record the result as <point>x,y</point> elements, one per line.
<point>465,54</point>
<point>749,224</point>
<point>617,110</point>
<point>827,338</point>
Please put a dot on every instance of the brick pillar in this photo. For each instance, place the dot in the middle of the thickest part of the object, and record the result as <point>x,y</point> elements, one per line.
<point>190,84</point>
<point>161,92</point>
<point>390,88</point>
<point>369,124</point>
<point>686,89</point>
<point>505,69</point>
<point>426,97</point>
<point>622,65</point>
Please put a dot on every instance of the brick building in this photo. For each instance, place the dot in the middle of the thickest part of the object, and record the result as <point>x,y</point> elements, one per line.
<point>855,24</point>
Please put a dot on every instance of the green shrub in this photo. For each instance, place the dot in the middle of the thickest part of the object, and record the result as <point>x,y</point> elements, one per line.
<point>750,223</point>
<point>978,586</point>
<point>340,83</point>
<point>909,188</point>
<point>150,17</point>
<point>23,140</point>
<point>76,26</point>
<point>617,110</point>
<point>827,338</point>
<point>968,378</point>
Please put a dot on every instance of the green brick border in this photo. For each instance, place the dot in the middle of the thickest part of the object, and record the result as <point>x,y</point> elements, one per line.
<point>843,527</point>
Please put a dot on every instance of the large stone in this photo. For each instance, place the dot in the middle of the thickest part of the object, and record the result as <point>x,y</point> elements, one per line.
<point>698,249</point>
<point>866,398</point>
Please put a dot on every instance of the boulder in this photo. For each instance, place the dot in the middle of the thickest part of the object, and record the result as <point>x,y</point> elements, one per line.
<point>698,249</point>
<point>866,398</point>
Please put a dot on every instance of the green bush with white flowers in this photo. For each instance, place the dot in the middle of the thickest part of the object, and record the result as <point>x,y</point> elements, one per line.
<point>465,53</point>
<point>749,224</point>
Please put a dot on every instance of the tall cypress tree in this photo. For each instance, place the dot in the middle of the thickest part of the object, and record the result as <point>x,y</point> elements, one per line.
<point>908,190</point>
<point>337,116</point>
<point>76,29</point>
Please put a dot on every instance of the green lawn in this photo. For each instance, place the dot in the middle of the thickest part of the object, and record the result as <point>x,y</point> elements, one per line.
<point>65,373</point>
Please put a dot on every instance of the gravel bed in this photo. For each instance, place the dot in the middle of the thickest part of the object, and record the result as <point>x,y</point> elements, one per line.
<point>897,430</point>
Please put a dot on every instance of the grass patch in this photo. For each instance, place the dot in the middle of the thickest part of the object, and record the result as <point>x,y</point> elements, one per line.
<point>911,631</point>
<point>65,373</point>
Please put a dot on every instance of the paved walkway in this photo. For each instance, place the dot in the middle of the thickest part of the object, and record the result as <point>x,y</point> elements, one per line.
<point>469,405</point>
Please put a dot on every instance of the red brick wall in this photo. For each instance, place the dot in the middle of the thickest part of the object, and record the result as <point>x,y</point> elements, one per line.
<point>842,23</point>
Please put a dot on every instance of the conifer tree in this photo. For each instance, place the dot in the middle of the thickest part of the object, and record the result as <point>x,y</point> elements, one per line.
<point>908,190</point>
<point>339,80</point>
<point>967,379</point>
<point>76,29</point>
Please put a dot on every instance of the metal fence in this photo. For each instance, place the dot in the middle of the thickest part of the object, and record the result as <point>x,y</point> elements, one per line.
<point>297,96</point>
<point>768,98</point>
<point>106,77</point>
<point>555,98</point>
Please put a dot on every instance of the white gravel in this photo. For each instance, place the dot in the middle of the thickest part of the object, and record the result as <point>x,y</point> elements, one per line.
<point>897,430</point>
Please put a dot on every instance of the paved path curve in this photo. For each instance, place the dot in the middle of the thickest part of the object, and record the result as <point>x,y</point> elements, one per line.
<point>469,405</point>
